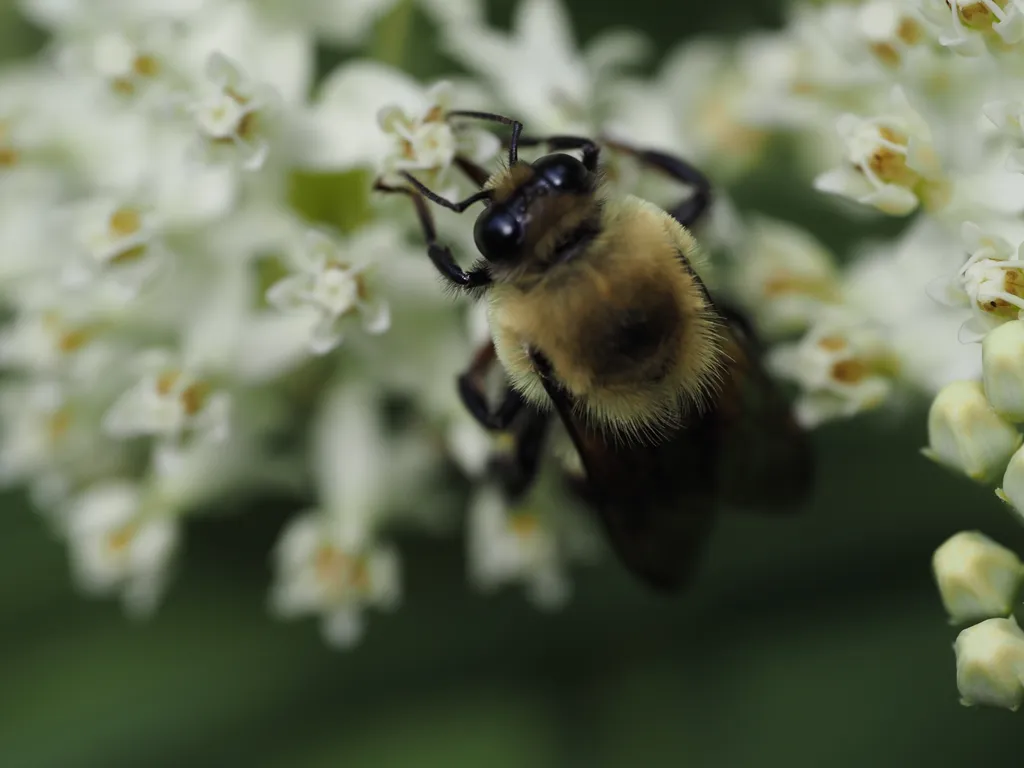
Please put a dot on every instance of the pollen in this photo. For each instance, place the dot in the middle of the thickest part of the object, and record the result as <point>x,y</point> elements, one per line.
<point>194,397</point>
<point>337,569</point>
<point>977,15</point>
<point>146,65</point>
<point>74,339</point>
<point>248,125</point>
<point>524,524</point>
<point>235,96</point>
<point>909,31</point>
<point>832,343</point>
<point>58,424</point>
<point>850,371</point>
<point>165,382</point>
<point>784,283</point>
<point>362,291</point>
<point>123,86</point>
<point>887,54</point>
<point>120,538</point>
<point>124,222</point>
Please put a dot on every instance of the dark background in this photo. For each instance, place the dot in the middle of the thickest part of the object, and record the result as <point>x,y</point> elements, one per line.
<point>817,641</point>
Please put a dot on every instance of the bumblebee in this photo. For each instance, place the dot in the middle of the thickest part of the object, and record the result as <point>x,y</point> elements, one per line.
<point>599,315</point>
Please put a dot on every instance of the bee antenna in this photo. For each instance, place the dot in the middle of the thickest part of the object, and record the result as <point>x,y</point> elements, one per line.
<point>517,128</point>
<point>458,207</point>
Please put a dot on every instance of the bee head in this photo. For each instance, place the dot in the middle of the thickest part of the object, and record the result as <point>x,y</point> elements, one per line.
<point>500,231</point>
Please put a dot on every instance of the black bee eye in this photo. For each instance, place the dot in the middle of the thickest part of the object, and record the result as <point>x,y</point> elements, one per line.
<point>498,234</point>
<point>563,173</point>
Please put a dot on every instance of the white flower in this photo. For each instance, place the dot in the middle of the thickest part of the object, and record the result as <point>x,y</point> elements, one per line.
<point>991,282</point>
<point>333,284</point>
<point>54,335</point>
<point>514,545</point>
<point>49,438</point>
<point>695,107</point>
<point>784,276</point>
<point>884,283</point>
<point>119,545</point>
<point>116,238</point>
<point>890,162</point>
<point>134,61</point>
<point>537,70</point>
<point>235,117</point>
<point>990,664</point>
<point>977,578</point>
<point>967,435</point>
<point>317,574</point>
<point>968,25</point>
<point>892,31</point>
<point>426,143</point>
<point>801,75</point>
<point>843,366</point>
<point>170,401</point>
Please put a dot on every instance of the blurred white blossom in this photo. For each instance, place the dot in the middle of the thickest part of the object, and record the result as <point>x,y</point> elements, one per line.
<point>122,543</point>
<point>784,277</point>
<point>538,70</point>
<point>843,365</point>
<point>318,574</point>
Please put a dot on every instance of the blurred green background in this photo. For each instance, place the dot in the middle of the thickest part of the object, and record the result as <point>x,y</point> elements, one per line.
<point>817,641</point>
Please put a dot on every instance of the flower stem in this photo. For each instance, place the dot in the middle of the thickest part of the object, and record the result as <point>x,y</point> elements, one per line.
<point>391,37</point>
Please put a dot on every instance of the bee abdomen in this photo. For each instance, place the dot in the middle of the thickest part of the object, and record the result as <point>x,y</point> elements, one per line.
<point>637,343</point>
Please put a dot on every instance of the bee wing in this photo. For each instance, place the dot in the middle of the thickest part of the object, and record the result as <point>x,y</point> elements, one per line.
<point>656,502</point>
<point>765,458</point>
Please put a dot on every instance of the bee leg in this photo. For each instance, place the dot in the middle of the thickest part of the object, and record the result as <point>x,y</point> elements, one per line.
<point>471,392</point>
<point>517,471</point>
<point>517,127</point>
<point>440,255</point>
<point>590,148</point>
<point>690,210</point>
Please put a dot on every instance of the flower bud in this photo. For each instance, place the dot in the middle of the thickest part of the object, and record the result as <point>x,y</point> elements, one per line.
<point>990,664</point>
<point>1002,365</point>
<point>977,577</point>
<point>1012,491</point>
<point>966,434</point>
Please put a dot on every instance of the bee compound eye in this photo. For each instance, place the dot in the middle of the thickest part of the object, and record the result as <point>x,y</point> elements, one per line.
<point>563,173</point>
<point>498,234</point>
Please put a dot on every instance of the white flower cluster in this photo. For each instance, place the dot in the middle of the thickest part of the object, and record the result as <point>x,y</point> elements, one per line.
<point>205,301</point>
<point>924,101</point>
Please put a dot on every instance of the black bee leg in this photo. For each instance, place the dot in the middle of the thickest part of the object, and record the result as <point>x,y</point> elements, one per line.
<point>590,148</point>
<point>690,210</point>
<point>517,127</point>
<point>471,392</point>
<point>516,471</point>
<point>440,255</point>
